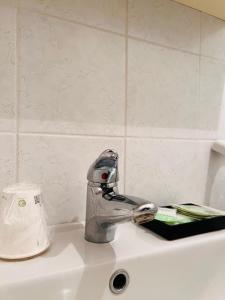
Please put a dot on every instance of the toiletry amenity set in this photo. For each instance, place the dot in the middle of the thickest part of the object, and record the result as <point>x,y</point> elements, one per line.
<point>182,220</point>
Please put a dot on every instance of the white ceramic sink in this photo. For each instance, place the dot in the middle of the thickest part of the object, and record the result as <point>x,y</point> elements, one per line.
<point>73,269</point>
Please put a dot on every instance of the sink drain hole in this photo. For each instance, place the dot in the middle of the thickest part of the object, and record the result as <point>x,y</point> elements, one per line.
<point>119,282</point>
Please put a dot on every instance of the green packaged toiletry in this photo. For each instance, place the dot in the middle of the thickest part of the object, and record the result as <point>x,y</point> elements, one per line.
<point>198,212</point>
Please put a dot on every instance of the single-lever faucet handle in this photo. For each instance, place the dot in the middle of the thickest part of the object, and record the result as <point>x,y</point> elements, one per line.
<point>104,170</point>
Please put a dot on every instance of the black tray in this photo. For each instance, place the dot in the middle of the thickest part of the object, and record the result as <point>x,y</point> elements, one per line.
<point>173,232</point>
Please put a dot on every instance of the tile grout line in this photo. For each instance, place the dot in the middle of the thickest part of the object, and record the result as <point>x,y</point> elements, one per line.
<point>199,58</point>
<point>75,135</point>
<point>13,133</point>
<point>64,135</point>
<point>213,58</point>
<point>70,21</point>
<point>126,35</point>
<point>126,94</point>
<point>162,45</point>
<point>174,48</point>
<point>17,95</point>
<point>181,139</point>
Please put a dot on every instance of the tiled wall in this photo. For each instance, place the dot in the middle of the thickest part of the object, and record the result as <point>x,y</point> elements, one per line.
<point>144,77</point>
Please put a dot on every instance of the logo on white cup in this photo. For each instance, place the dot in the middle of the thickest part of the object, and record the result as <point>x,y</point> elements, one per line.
<point>22,203</point>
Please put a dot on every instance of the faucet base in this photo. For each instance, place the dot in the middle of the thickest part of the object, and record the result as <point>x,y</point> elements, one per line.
<point>99,233</point>
<point>102,241</point>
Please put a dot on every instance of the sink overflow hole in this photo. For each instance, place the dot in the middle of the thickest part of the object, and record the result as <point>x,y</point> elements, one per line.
<point>119,281</point>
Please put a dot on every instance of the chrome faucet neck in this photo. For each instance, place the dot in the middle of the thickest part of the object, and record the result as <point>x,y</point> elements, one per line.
<point>105,206</point>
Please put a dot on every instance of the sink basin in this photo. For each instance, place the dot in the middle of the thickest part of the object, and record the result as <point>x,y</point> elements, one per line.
<point>74,269</point>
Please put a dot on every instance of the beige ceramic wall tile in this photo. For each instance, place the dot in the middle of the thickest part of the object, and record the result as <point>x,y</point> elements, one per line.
<point>7,67</point>
<point>162,91</point>
<point>72,78</point>
<point>212,94</point>
<point>165,22</point>
<point>106,14</point>
<point>212,37</point>
<point>60,165</point>
<point>7,160</point>
<point>167,171</point>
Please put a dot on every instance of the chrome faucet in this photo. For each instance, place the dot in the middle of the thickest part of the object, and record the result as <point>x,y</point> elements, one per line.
<point>105,206</point>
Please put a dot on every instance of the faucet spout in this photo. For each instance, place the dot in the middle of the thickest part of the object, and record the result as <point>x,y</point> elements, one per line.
<point>105,206</point>
<point>139,210</point>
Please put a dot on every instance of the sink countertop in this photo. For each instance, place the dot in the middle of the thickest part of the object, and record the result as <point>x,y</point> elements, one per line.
<point>70,252</point>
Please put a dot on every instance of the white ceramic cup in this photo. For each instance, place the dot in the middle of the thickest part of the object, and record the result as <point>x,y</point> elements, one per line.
<point>23,228</point>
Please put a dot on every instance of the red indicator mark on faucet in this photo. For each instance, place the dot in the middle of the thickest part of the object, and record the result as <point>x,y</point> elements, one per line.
<point>104,176</point>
